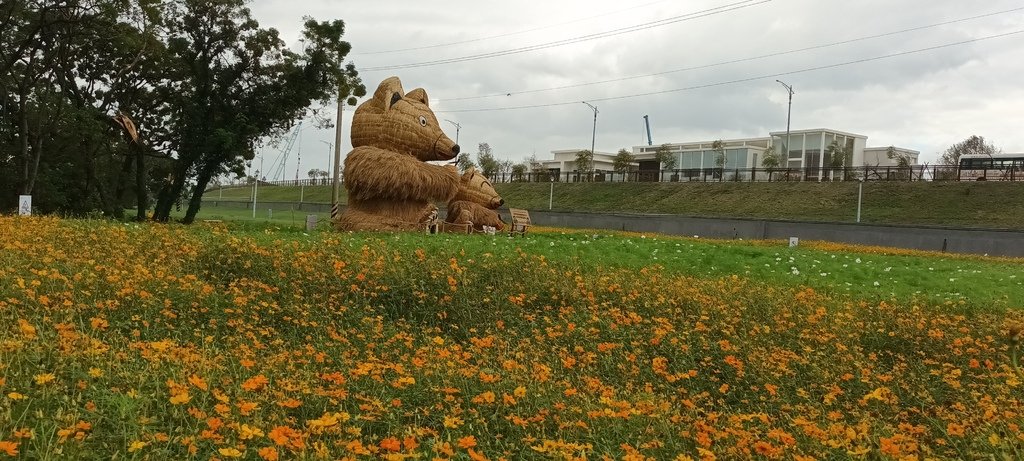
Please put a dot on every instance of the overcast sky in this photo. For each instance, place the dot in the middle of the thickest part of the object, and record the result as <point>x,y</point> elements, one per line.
<point>711,64</point>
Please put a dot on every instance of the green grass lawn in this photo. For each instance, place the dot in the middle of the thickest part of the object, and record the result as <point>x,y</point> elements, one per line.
<point>283,215</point>
<point>968,204</point>
<point>878,274</point>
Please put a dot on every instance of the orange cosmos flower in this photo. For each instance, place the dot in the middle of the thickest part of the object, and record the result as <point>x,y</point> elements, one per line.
<point>391,444</point>
<point>9,448</point>
<point>467,442</point>
<point>268,453</point>
<point>255,383</point>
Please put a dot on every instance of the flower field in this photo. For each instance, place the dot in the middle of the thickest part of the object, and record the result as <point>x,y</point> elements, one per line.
<point>167,342</point>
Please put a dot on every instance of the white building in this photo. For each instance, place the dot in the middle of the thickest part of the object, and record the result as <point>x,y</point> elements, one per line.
<point>564,161</point>
<point>880,156</point>
<point>807,150</point>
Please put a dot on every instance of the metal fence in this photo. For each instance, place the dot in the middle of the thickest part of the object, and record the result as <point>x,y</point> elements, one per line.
<point>866,173</point>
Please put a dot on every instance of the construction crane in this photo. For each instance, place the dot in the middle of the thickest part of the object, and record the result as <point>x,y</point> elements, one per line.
<point>647,123</point>
<point>277,170</point>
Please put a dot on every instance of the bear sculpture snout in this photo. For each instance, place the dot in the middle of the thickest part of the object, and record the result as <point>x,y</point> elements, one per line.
<point>455,149</point>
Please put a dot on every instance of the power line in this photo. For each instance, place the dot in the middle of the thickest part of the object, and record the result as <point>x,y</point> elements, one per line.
<point>744,80</point>
<point>509,34</point>
<point>583,38</point>
<point>739,60</point>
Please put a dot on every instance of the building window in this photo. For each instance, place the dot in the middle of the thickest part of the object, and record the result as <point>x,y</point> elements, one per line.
<point>812,158</point>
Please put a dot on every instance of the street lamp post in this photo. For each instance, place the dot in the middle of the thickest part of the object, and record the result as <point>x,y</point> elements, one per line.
<point>551,195</point>
<point>457,128</point>
<point>594,135</point>
<point>330,151</point>
<point>860,193</point>
<point>789,112</point>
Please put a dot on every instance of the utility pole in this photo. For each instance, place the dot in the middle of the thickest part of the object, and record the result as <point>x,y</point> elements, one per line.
<point>789,112</point>
<point>457,128</point>
<point>594,135</point>
<point>256,187</point>
<point>336,183</point>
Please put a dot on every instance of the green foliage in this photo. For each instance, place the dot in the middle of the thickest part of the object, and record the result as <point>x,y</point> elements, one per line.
<point>465,161</point>
<point>770,158</point>
<point>584,161</point>
<point>839,156</point>
<point>489,165</point>
<point>195,87</point>
<point>719,148</point>
<point>663,155</point>
<point>623,161</point>
<point>519,171</point>
<point>902,159</point>
<point>972,145</point>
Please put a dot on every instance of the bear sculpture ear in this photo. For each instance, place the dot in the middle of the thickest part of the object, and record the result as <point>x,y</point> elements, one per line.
<point>419,94</point>
<point>388,93</point>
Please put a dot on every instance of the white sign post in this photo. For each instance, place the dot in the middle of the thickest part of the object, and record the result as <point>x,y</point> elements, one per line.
<point>25,205</point>
<point>794,242</point>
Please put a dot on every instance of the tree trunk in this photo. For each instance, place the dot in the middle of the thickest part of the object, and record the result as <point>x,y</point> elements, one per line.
<point>197,195</point>
<point>169,193</point>
<point>111,206</point>
<point>23,137</point>
<point>122,178</point>
<point>37,152</point>
<point>141,194</point>
<point>109,209</point>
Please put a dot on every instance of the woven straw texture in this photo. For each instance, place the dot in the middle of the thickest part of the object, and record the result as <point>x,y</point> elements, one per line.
<point>390,186</point>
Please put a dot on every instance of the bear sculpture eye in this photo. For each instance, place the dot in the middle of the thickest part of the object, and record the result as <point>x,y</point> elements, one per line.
<point>423,121</point>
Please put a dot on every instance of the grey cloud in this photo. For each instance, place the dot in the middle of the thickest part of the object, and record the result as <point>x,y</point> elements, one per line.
<point>924,101</point>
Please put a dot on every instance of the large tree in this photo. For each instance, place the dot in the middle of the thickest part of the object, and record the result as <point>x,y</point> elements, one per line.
<point>465,161</point>
<point>489,165</point>
<point>838,155</point>
<point>972,145</point>
<point>770,158</point>
<point>663,155</point>
<point>718,147</point>
<point>623,160</point>
<point>67,68</point>
<point>238,84</point>
<point>584,161</point>
<point>91,89</point>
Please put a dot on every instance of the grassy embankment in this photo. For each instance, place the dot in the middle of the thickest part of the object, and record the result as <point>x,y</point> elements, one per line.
<point>173,342</point>
<point>988,205</point>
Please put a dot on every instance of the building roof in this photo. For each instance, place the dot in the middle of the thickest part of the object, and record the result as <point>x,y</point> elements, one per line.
<point>817,130</point>
<point>900,149</point>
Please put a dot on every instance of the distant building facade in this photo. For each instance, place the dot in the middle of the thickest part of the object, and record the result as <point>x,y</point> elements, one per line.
<point>804,149</point>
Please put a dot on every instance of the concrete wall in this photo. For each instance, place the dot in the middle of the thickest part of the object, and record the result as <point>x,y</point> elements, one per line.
<point>991,242</point>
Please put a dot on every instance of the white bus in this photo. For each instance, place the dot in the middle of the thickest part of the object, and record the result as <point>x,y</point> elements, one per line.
<point>995,167</point>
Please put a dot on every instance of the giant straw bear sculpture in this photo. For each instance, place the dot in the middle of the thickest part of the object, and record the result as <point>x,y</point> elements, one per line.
<point>389,182</point>
<point>475,203</point>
